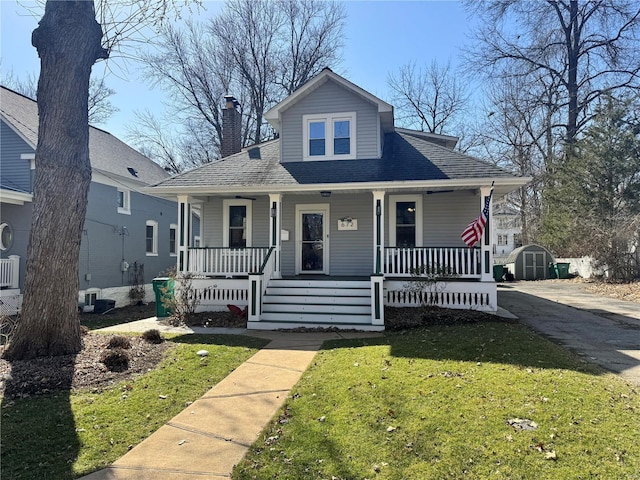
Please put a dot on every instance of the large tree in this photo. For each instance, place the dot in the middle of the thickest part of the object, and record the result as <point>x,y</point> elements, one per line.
<point>69,40</point>
<point>587,49</point>
<point>257,51</point>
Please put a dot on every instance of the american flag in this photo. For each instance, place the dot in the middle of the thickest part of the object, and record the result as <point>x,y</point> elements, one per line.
<point>474,230</point>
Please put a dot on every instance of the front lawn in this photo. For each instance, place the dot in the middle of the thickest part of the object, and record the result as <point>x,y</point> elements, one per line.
<point>67,434</point>
<point>481,401</point>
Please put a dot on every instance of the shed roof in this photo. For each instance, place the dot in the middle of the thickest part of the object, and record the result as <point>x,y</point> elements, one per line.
<point>513,256</point>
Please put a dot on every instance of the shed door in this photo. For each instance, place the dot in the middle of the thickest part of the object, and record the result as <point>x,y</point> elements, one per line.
<point>534,265</point>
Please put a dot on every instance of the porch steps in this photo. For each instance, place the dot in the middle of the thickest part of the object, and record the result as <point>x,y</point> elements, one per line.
<point>318,302</point>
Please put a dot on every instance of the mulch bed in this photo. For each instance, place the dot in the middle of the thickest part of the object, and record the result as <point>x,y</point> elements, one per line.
<point>49,374</point>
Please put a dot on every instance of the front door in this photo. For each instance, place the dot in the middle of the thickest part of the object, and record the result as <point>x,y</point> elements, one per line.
<point>312,239</point>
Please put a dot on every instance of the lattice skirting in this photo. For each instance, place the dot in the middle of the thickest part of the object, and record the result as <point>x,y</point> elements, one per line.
<point>10,304</point>
<point>459,295</point>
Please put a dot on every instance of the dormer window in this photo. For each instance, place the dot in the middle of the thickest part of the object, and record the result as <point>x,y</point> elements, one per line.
<point>329,136</point>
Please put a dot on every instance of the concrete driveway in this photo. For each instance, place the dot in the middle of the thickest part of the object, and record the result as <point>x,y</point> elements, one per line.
<point>602,330</point>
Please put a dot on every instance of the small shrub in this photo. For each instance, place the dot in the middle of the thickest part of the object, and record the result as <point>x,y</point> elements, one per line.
<point>153,336</point>
<point>84,330</point>
<point>119,341</point>
<point>8,325</point>
<point>116,360</point>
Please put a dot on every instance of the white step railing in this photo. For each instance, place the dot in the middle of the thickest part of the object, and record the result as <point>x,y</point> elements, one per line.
<point>10,272</point>
<point>258,283</point>
<point>225,261</point>
<point>439,261</point>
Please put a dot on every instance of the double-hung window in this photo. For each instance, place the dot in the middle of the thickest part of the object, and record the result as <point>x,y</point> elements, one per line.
<point>237,221</point>
<point>173,244</point>
<point>151,238</point>
<point>329,136</point>
<point>405,221</point>
<point>124,201</point>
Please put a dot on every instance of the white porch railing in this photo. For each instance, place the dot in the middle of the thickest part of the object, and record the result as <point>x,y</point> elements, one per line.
<point>10,272</point>
<point>441,261</point>
<point>258,283</point>
<point>226,261</point>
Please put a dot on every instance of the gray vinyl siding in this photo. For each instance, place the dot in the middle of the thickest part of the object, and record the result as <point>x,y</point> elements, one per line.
<point>213,222</point>
<point>351,251</point>
<point>18,217</point>
<point>103,247</point>
<point>330,98</point>
<point>16,172</point>
<point>444,217</point>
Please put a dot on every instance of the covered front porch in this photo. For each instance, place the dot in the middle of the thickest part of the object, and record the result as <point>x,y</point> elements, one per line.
<point>334,258</point>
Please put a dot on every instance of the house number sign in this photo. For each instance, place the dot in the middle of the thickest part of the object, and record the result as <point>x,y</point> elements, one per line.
<point>348,223</point>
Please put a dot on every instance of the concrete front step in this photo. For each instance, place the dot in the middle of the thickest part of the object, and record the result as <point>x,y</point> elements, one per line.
<point>276,325</point>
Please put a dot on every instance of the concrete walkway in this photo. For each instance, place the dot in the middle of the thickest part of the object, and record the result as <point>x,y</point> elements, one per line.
<point>213,434</point>
<point>603,330</point>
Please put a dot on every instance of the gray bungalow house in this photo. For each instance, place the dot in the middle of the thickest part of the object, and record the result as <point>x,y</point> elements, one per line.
<point>327,224</point>
<point>124,227</point>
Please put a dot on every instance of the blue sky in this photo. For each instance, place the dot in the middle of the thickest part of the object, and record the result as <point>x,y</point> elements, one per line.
<point>381,36</point>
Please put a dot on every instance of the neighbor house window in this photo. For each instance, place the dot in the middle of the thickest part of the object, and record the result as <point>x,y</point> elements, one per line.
<point>329,136</point>
<point>503,239</point>
<point>173,235</point>
<point>405,221</point>
<point>151,238</point>
<point>6,236</point>
<point>124,201</point>
<point>236,219</point>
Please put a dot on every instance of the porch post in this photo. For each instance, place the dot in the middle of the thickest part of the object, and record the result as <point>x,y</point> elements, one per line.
<point>275,212</point>
<point>378,231</point>
<point>184,233</point>
<point>15,271</point>
<point>486,252</point>
<point>255,297</point>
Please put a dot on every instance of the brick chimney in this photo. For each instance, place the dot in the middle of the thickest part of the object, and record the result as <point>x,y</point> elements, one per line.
<point>231,125</point>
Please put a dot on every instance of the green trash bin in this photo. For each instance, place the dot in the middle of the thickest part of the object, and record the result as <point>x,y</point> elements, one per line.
<point>498,273</point>
<point>163,289</point>
<point>552,270</point>
<point>562,270</point>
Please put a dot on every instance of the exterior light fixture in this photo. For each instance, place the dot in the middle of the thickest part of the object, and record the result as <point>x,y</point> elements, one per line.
<point>325,194</point>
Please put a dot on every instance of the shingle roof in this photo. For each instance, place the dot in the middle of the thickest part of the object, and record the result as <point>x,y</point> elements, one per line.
<point>406,157</point>
<point>107,153</point>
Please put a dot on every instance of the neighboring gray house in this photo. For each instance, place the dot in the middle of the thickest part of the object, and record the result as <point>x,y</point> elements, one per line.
<point>325,225</point>
<point>124,227</point>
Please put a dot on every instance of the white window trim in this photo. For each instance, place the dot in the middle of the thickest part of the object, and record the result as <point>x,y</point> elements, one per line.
<point>126,209</point>
<point>329,118</point>
<point>225,219</point>
<point>393,200</point>
<point>173,226</point>
<point>154,224</point>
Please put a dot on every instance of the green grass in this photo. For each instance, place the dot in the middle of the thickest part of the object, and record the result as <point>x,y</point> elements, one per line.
<point>434,403</point>
<point>66,435</point>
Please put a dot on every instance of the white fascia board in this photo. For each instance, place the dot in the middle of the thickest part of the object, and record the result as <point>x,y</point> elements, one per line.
<point>14,198</point>
<point>502,186</point>
<point>113,180</point>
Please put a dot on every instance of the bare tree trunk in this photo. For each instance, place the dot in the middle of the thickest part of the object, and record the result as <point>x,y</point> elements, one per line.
<point>68,43</point>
